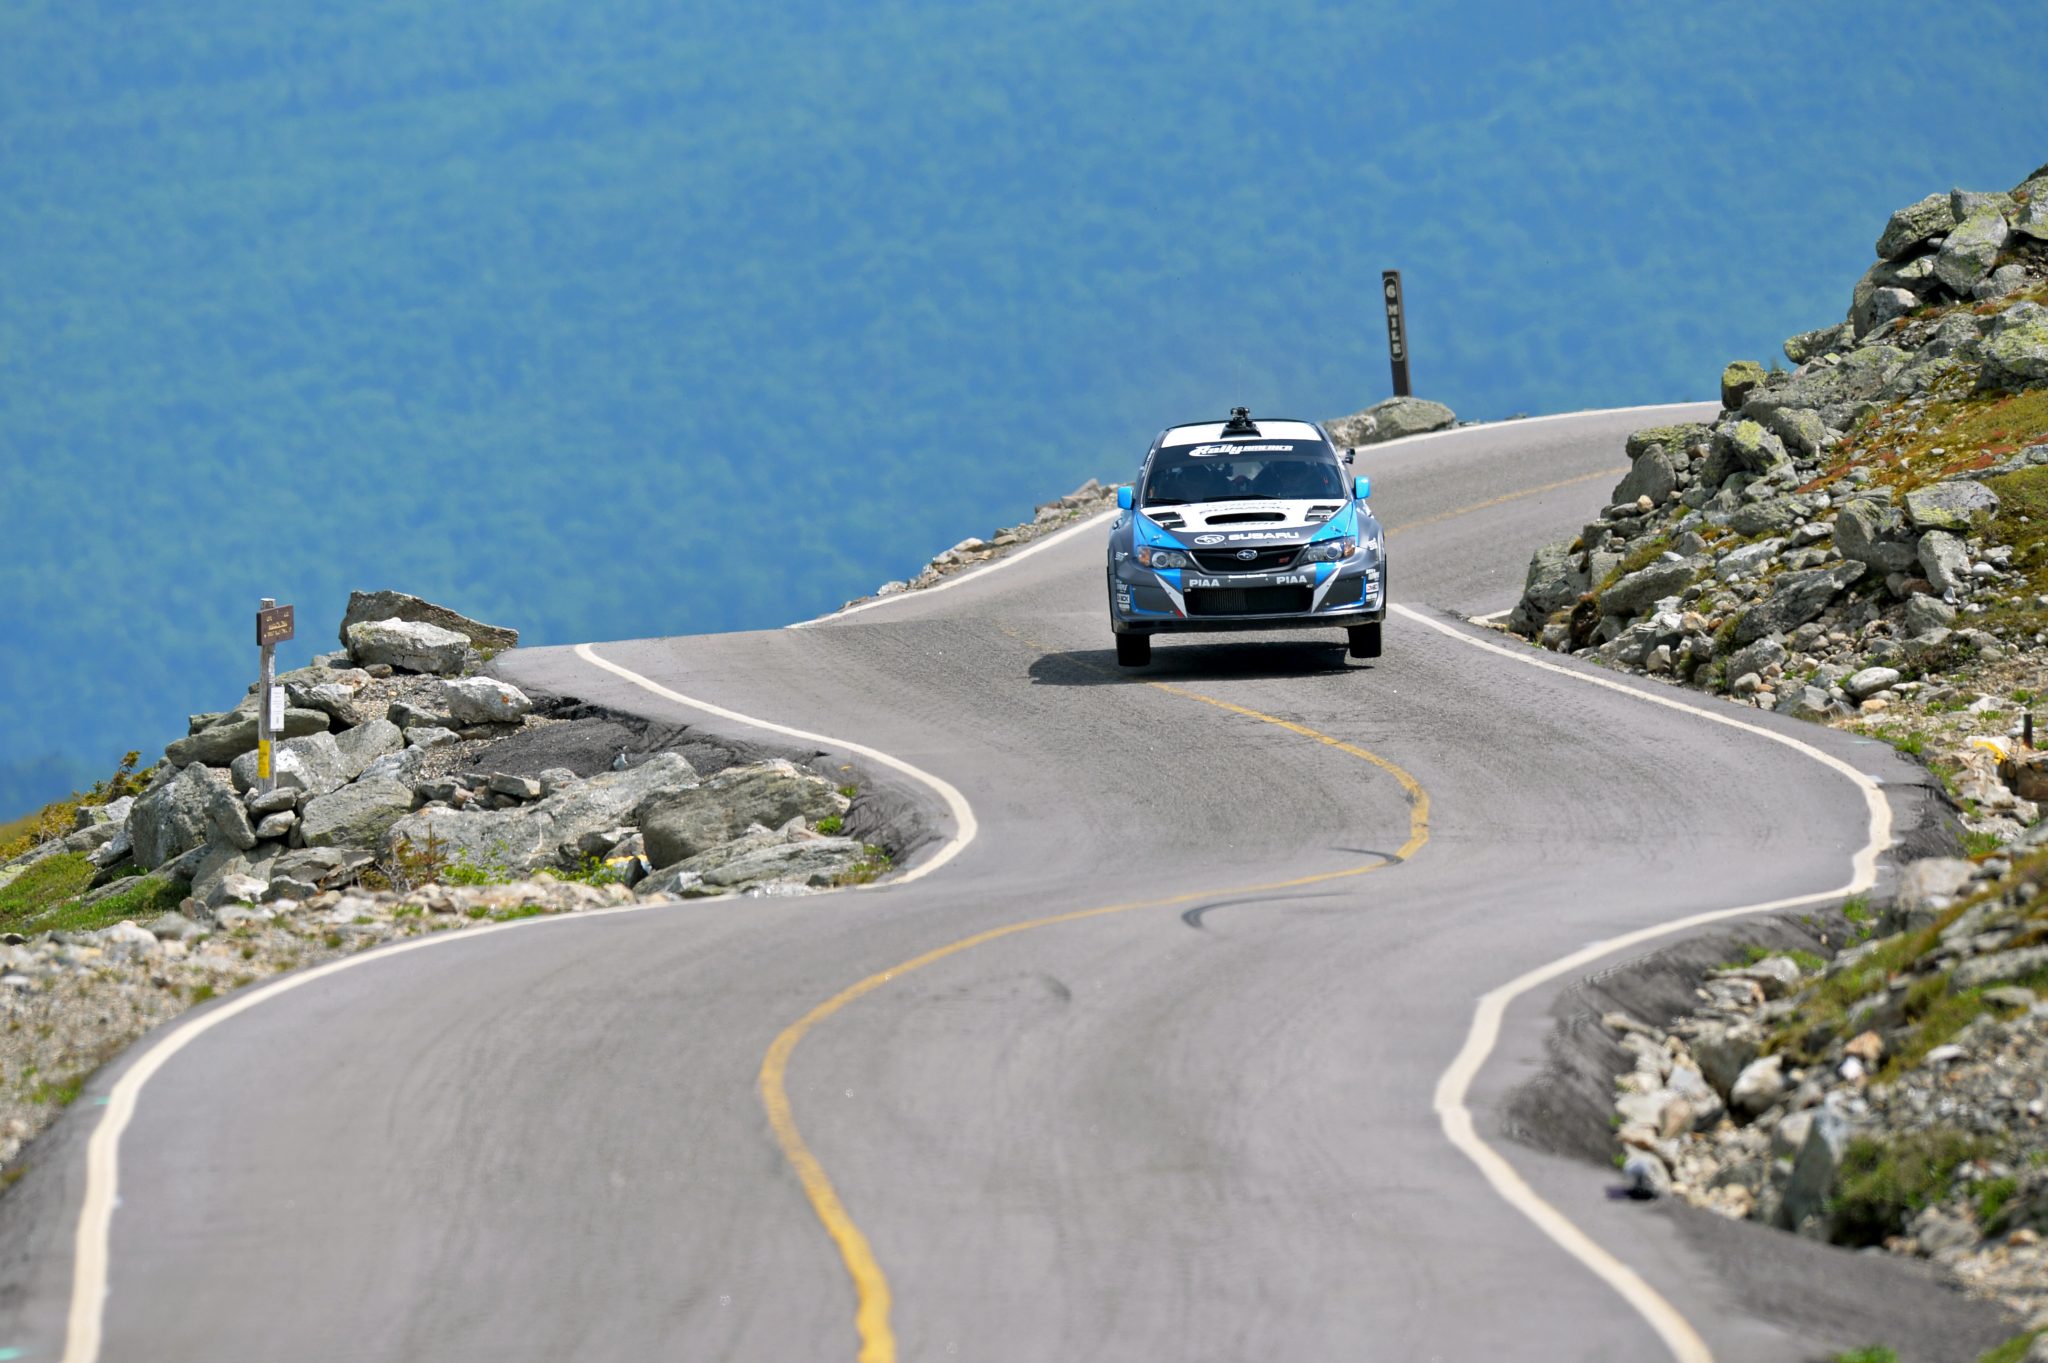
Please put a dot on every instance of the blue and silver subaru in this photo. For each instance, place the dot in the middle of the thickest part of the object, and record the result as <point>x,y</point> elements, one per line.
<point>1242,525</point>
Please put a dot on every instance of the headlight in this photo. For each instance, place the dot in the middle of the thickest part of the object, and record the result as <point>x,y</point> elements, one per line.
<point>1163,558</point>
<point>1330,551</point>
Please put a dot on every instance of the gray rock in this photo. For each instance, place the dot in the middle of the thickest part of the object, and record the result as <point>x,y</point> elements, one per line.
<point>813,861</point>
<point>1747,446</point>
<point>355,815</point>
<point>1971,249</point>
<point>328,868</point>
<point>263,803</point>
<point>1813,1172</point>
<point>365,743</point>
<point>1999,968</point>
<point>1944,561</point>
<point>1758,1086</point>
<point>409,716</point>
<point>176,927</point>
<point>227,818</point>
<point>1933,216</point>
<point>1834,392</point>
<point>1738,381</point>
<point>370,606</point>
<point>1956,505</point>
<point>557,778</point>
<point>226,874</point>
<point>1882,305</point>
<point>1652,476</point>
<point>1926,887</point>
<point>1924,612</point>
<point>275,827</point>
<point>1762,654</point>
<point>1748,560</point>
<point>1767,515</point>
<point>484,700</point>
<point>691,821</point>
<point>403,767</point>
<point>1806,702</point>
<point>336,701</point>
<point>518,787</point>
<point>170,820</point>
<point>529,836</point>
<point>1724,1051</point>
<point>312,765</point>
<point>1800,430</point>
<point>1811,345</point>
<point>1644,587</point>
<point>227,740</point>
<point>1869,681</point>
<point>431,736</point>
<point>1798,598</point>
<point>411,646</point>
<point>2002,282</point>
<point>1390,420</point>
<point>1875,532</point>
<point>2031,220</point>
<point>2016,354</point>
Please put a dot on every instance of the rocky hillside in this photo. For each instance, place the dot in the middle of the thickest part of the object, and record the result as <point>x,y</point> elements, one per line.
<point>413,794</point>
<point>1861,540</point>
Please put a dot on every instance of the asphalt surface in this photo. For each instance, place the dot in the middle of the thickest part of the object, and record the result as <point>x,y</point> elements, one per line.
<point>1200,1130</point>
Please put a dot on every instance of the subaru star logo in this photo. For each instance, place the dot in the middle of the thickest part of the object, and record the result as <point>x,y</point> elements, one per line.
<point>1208,539</point>
<point>1247,554</point>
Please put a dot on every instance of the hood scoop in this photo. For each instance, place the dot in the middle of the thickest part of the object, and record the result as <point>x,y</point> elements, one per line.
<point>1322,513</point>
<point>1166,520</point>
<point>1243,517</point>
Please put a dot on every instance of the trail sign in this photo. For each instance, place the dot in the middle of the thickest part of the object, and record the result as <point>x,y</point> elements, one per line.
<point>273,625</point>
<point>1397,330</point>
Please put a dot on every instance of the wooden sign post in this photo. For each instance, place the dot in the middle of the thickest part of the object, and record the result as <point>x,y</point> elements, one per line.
<point>1397,330</point>
<point>273,627</point>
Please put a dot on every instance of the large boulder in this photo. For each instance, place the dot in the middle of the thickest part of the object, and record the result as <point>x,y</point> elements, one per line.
<point>483,700</point>
<point>320,763</point>
<point>1646,586</point>
<point>1553,582</point>
<point>1814,1170</point>
<point>410,646</point>
<point>692,821</point>
<point>1390,420</point>
<point>171,819</point>
<point>1747,447</point>
<point>1798,598</point>
<point>355,815</point>
<point>1738,381</point>
<point>812,861</point>
<point>221,743</point>
<point>1944,561</point>
<point>1652,476</point>
<point>1956,505</point>
<point>1971,249</point>
<point>1835,392</point>
<point>366,606</point>
<point>1871,530</point>
<point>534,835</point>
<point>1811,345</point>
<point>2016,352</point>
<point>1932,217</point>
<point>1799,429</point>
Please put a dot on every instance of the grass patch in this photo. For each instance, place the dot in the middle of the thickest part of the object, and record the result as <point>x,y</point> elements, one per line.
<point>1857,909</point>
<point>1992,1195</point>
<point>1874,1353</point>
<point>43,886</point>
<point>1980,844</point>
<point>831,824</point>
<point>150,897</point>
<point>1883,1182</point>
<point>201,993</point>
<point>1899,738</point>
<point>523,911</point>
<point>62,1092</point>
<point>2014,1350</point>
<point>2022,522</point>
<point>872,866</point>
<point>592,870</point>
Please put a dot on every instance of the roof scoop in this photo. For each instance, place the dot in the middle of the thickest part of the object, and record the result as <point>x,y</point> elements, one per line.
<point>1240,422</point>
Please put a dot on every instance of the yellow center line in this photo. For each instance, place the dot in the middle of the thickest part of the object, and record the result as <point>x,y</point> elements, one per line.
<point>870,1283</point>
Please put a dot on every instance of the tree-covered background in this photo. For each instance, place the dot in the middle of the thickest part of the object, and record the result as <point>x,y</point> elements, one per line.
<point>616,317</point>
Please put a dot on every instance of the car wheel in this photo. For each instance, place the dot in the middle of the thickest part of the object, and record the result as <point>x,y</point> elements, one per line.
<point>1365,640</point>
<point>1133,650</point>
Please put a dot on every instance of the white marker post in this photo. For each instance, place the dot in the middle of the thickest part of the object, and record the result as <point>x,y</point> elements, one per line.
<point>273,627</point>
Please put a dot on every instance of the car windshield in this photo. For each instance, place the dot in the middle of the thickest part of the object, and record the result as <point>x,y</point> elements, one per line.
<point>1251,470</point>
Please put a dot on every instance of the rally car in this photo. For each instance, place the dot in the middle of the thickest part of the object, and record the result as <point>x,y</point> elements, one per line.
<point>1239,525</point>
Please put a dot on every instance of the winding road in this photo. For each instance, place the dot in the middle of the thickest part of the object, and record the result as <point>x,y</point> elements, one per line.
<point>1189,1036</point>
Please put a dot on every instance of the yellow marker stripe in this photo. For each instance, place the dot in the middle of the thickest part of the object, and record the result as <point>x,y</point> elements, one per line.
<point>870,1283</point>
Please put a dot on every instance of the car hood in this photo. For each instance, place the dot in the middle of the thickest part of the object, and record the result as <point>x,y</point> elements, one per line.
<point>1245,522</point>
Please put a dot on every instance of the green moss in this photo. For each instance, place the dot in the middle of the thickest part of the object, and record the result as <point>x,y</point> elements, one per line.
<point>1992,1195</point>
<point>1874,1353</point>
<point>2014,1350</point>
<point>2022,522</point>
<point>1883,1181</point>
<point>43,886</point>
<point>148,898</point>
<point>873,865</point>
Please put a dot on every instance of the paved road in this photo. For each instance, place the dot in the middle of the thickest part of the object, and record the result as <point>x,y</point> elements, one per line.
<point>1200,1130</point>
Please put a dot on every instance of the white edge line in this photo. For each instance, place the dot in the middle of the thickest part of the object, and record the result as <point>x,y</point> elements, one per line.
<point>1455,1085</point>
<point>90,1264</point>
<point>965,826</point>
<point>102,1158</point>
<point>962,579</point>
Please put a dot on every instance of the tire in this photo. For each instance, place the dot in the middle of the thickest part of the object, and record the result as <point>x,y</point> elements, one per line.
<point>1133,650</point>
<point>1365,640</point>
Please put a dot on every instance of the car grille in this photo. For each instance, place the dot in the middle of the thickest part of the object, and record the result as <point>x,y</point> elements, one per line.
<point>1227,561</point>
<point>1250,600</point>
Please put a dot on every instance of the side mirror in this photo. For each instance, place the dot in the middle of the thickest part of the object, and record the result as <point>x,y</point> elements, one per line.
<point>1349,455</point>
<point>1361,488</point>
<point>1123,498</point>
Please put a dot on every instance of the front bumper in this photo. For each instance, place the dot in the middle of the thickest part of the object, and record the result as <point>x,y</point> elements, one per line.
<point>1142,601</point>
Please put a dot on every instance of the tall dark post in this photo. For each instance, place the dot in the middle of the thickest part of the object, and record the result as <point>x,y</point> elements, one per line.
<point>1397,330</point>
